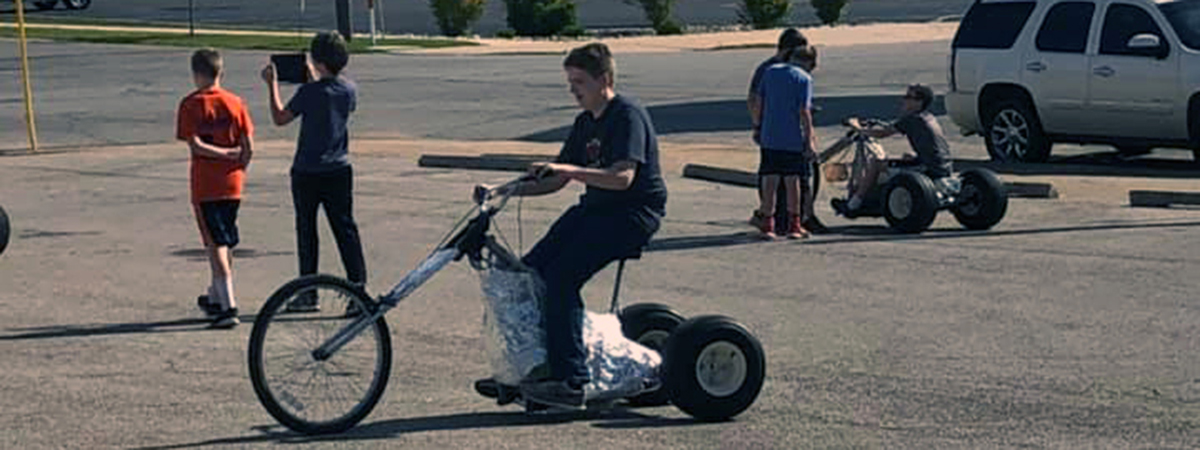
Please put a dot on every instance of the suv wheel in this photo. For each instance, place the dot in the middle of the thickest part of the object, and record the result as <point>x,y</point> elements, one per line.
<point>77,4</point>
<point>1014,134</point>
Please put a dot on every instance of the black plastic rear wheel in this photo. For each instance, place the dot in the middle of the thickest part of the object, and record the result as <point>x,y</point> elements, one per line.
<point>715,368</point>
<point>982,201</point>
<point>909,202</point>
<point>651,325</point>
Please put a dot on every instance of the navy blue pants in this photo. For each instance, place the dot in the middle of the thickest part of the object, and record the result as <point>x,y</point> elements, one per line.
<point>333,190</point>
<point>577,246</point>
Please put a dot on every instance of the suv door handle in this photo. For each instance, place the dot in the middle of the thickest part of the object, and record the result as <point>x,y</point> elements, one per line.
<point>1036,66</point>
<point>1104,71</point>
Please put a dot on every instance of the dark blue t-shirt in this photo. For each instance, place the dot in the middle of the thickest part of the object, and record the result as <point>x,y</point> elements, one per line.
<point>758,73</point>
<point>623,132</point>
<point>324,108</point>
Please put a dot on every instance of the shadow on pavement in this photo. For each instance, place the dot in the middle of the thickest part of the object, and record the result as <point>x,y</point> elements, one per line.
<point>1107,164</point>
<point>62,331</point>
<point>702,241</point>
<point>731,115</point>
<point>881,233</point>
<point>387,429</point>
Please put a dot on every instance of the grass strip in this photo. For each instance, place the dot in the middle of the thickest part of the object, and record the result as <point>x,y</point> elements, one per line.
<point>217,40</point>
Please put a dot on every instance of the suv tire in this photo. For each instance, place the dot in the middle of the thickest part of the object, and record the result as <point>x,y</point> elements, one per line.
<point>1013,133</point>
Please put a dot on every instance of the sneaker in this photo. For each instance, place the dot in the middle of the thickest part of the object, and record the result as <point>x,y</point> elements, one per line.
<point>552,392</point>
<point>226,319</point>
<point>488,387</point>
<point>756,219</point>
<point>766,228</point>
<point>210,309</point>
<point>795,229</point>
<point>814,226</point>
<point>306,302</point>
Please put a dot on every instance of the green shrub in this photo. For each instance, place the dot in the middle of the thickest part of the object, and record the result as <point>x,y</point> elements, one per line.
<point>506,34</point>
<point>763,14</point>
<point>658,12</point>
<point>829,11</point>
<point>455,17</point>
<point>541,17</point>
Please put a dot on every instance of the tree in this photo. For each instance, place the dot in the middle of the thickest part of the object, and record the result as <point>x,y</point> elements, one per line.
<point>763,14</point>
<point>829,11</point>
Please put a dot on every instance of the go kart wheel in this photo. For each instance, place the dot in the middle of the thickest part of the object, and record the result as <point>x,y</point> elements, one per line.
<point>650,324</point>
<point>982,201</point>
<point>909,202</point>
<point>314,395</point>
<point>3,230</point>
<point>715,368</point>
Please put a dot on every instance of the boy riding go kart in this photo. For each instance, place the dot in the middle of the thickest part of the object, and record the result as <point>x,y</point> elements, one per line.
<point>909,192</point>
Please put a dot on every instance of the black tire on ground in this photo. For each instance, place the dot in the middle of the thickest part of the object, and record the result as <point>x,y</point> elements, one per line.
<point>77,4</point>
<point>4,230</point>
<point>909,202</point>
<point>650,324</point>
<point>295,393</point>
<point>715,368</point>
<point>45,4</point>
<point>982,201</point>
<point>1013,133</point>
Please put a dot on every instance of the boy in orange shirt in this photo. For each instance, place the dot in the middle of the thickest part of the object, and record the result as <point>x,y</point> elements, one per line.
<point>218,131</point>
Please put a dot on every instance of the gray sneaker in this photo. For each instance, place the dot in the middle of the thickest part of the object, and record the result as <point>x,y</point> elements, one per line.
<point>553,392</point>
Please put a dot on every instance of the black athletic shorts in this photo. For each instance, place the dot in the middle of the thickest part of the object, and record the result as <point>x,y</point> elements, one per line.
<point>218,222</point>
<point>784,162</point>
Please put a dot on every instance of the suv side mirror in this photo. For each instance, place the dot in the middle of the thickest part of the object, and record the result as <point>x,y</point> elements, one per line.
<point>1148,44</point>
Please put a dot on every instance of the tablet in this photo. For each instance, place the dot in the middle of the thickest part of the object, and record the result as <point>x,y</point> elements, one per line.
<point>291,67</point>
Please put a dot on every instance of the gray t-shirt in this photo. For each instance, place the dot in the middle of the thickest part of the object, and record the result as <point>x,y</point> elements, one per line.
<point>925,135</point>
<point>324,108</point>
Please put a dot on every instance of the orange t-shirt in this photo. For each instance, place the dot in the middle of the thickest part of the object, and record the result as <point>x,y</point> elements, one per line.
<point>219,118</point>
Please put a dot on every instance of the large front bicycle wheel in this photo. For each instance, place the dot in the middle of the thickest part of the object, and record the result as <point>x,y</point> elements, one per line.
<point>303,393</point>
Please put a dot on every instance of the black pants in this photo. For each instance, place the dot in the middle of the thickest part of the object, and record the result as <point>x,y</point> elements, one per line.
<point>335,191</point>
<point>577,246</point>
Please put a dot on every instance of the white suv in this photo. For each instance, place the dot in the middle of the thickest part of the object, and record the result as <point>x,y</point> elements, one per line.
<point>1028,73</point>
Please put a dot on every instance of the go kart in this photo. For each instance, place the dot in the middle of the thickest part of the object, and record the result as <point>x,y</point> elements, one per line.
<point>323,372</point>
<point>910,200</point>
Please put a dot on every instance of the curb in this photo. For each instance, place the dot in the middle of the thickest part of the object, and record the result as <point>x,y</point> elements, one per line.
<point>749,179</point>
<point>1162,199</point>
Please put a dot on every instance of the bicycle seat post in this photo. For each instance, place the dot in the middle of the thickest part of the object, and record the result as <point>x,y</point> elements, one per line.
<point>615,308</point>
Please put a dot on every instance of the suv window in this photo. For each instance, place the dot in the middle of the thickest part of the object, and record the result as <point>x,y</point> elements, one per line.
<point>1066,27</point>
<point>1185,19</point>
<point>992,25</point>
<point>1122,22</point>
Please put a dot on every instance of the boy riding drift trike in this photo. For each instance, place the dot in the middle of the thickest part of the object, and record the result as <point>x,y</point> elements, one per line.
<point>909,192</point>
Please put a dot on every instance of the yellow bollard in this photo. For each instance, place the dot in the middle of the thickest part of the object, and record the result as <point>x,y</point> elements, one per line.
<point>30,128</point>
